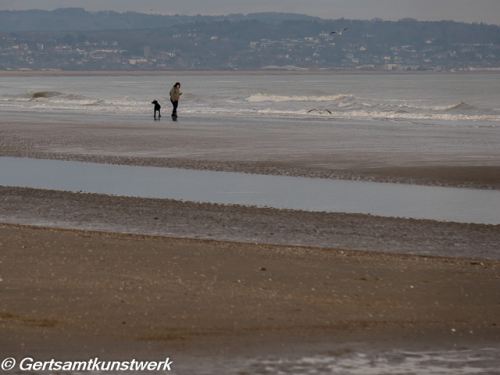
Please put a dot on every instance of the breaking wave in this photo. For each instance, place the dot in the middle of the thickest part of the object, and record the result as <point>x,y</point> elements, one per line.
<point>445,362</point>
<point>377,115</point>
<point>403,115</point>
<point>462,106</point>
<point>352,107</point>
<point>346,105</point>
<point>295,98</point>
<point>44,94</point>
<point>252,100</point>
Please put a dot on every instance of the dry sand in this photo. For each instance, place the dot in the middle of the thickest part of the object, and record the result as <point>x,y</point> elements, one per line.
<point>73,292</point>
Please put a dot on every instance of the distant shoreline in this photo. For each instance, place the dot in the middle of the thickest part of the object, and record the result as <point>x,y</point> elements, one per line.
<point>39,73</point>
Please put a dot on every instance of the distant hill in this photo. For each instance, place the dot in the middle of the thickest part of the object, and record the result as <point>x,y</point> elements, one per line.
<point>74,39</point>
<point>78,19</point>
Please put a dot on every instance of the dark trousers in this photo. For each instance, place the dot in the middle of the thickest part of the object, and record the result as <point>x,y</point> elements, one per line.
<point>175,104</point>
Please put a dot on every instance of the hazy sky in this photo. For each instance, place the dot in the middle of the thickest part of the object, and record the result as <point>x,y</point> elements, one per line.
<point>487,11</point>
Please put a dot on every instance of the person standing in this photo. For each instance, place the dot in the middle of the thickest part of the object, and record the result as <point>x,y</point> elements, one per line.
<point>175,94</point>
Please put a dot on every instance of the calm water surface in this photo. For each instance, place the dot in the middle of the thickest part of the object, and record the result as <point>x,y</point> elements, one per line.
<point>296,193</point>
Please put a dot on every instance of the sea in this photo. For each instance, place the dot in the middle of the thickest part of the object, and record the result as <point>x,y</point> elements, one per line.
<point>456,100</point>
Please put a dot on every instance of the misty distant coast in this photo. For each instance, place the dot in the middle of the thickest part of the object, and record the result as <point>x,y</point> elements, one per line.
<point>73,39</point>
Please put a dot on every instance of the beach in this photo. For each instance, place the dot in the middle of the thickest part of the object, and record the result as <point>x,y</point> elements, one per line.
<point>225,288</point>
<point>70,294</point>
<point>437,155</point>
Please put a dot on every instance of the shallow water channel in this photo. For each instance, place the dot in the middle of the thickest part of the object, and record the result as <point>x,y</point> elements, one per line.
<point>297,193</point>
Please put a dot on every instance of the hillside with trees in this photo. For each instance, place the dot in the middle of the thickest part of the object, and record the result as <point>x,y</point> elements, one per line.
<point>74,39</point>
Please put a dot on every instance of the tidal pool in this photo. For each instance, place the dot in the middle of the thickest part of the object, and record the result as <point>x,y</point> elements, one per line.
<point>296,193</point>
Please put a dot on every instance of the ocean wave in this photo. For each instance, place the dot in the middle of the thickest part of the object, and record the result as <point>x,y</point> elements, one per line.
<point>129,99</point>
<point>10,99</point>
<point>92,102</point>
<point>380,115</point>
<point>461,106</point>
<point>407,107</point>
<point>266,105</point>
<point>295,98</point>
<point>404,115</point>
<point>44,94</point>
<point>74,97</point>
<point>349,103</point>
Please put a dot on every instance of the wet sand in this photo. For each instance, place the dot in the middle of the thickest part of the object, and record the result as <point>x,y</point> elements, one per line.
<point>69,293</point>
<point>164,217</point>
<point>415,153</point>
<point>270,281</point>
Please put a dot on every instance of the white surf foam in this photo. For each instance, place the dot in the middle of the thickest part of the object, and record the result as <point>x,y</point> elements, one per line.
<point>295,98</point>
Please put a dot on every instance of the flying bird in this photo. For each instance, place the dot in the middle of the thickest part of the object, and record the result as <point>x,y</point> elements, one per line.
<point>320,110</point>
<point>339,32</point>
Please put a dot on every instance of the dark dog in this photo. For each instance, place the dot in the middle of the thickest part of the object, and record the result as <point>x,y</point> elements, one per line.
<point>157,107</point>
